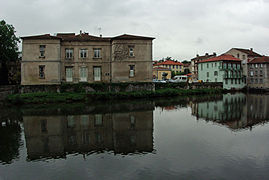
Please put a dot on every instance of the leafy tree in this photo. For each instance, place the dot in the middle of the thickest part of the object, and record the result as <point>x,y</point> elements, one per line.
<point>8,49</point>
<point>186,62</point>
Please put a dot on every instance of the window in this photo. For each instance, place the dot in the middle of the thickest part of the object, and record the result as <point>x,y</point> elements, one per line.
<point>83,53</point>
<point>261,73</point>
<point>256,65</point>
<point>216,79</point>
<point>42,72</point>
<point>132,69</point>
<point>232,81</point>
<point>244,57</point>
<point>42,50</point>
<point>212,64</point>
<point>132,121</point>
<point>252,80</point>
<point>177,66</point>
<point>97,73</point>
<point>83,74</point>
<point>97,53</point>
<point>215,64</point>
<point>131,51</point>
<point>256,81</point>
<point>207,65</point>
<point>68,53</point>
<point>173,66</point>
<point>69,74</point>
<point>261,81</point>
<point>261,65</point>
<point>216,73</point>
<point>98,120</point>
<point>226,81</point>
<point>201,66</point>
<point>44,126</point>
<point>251,73</point>
<point>235,81</point>
<point>207,74</point>
<point>238,55</point>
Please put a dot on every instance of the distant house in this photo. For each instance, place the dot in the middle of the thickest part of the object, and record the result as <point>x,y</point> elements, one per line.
<point>73,58</point>
<point>161,73</point>
<point>224,68</point>
<point>194,63</point>
<point>245,55</point>
<point>258,73</point>
<point>175,66</point>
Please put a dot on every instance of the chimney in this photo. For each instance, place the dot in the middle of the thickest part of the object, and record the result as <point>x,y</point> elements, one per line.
<point>206,54</point>
<point>197,55</point>
<point>80,32</point>
<point>251,49</point>
<point>100,35</point>
<point>214,54</point>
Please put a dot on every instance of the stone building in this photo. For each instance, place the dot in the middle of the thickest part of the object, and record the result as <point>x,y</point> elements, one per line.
<point>194,64</point>
<point>224,68</point>
<point>245,55</point>
<point>174,66</point>
<point>258,73</point>
<point>72,58</point>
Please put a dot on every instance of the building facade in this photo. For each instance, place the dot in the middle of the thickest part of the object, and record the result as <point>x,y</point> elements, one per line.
<point>224,68</point>
<point>174,66</point>
<point>245,55</point>
<point>258,73</point>
<point>194,64</point>
<point>160,72</point>
<point>72,58</point>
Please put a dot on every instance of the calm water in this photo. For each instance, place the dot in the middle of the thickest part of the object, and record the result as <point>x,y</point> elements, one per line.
<point>215,137</point>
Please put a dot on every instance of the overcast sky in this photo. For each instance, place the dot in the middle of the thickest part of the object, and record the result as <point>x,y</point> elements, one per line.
<point>182,28</point>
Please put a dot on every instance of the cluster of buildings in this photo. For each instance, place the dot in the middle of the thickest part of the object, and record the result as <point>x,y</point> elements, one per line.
<point>73,58</point>
<point>236,69</point>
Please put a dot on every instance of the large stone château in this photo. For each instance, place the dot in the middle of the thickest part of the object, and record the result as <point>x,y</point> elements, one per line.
<point>67,57</point>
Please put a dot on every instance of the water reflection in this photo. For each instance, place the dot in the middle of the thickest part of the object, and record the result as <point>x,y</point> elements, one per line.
<point>57,136</point>
<point>236,111</point>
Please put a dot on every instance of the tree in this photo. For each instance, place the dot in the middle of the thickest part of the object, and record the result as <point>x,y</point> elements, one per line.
<point>8,49</point>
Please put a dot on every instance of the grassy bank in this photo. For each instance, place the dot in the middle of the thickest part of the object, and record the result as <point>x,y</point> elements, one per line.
<point>38,98</point>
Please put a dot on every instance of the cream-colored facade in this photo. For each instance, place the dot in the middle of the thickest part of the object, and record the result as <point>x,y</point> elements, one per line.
<point>74,58</point>
<point>159,71</point>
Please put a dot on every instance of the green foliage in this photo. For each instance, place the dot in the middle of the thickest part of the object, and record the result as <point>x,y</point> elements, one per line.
<point>8,49</point>
<point>39,98</point>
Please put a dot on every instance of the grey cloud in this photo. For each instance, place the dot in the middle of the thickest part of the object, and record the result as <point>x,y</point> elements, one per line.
<point>182,28</point>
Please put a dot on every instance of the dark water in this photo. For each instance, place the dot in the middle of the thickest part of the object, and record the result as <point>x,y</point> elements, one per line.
<point>208,137</point>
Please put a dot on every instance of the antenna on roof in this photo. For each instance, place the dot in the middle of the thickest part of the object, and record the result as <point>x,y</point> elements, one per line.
<point>100,31</point>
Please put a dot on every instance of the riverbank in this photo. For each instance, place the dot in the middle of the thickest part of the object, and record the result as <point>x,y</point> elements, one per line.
<point>68,97</point>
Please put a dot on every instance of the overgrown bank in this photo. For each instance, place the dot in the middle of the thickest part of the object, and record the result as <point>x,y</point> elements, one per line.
<point>51,97</point>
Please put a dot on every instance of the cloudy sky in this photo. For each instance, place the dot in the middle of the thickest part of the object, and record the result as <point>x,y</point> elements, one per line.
<point>182,28</point>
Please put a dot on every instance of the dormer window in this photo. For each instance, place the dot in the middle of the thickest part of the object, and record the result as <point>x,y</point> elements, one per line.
<point>131,51</point>
<point>42,50</point>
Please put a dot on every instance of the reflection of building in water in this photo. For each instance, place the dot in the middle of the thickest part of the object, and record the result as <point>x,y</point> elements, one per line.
<point>52,136</point>
<point>258,107</point>
<point>235,111</point>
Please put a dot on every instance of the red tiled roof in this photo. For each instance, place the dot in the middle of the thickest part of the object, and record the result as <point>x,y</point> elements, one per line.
<point>223,57</point>
<point>203,57</point>
<point>131,37</point>
<point>264,59</point>
<point>86,37</point>
<point>44,36</point>
<point>80,37</point>
<point>169,62</point>
<point>161,68</point>
<point>249,52</point>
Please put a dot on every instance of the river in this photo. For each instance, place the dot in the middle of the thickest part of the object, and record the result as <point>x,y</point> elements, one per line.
<point>201,137</point>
